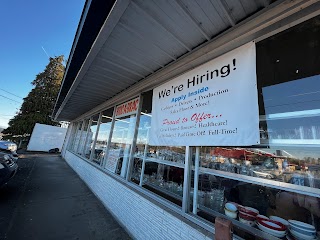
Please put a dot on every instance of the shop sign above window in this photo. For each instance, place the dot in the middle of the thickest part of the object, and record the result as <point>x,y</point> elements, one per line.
<point>215,104</point>
<point>127,108</point>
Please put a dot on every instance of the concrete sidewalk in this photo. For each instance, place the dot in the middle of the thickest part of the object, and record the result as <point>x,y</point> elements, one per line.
<point>47,200</point>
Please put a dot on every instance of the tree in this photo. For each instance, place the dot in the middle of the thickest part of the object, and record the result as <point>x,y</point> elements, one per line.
<point>37,107</point>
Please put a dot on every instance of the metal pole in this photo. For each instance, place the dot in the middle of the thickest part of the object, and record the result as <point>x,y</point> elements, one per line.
<point>146,149</point>
<point>186,181</point>
<point>134,142</point>
<point>196,181</point>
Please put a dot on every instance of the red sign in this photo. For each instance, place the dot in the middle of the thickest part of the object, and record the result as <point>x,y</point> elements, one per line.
<point>127,108</point>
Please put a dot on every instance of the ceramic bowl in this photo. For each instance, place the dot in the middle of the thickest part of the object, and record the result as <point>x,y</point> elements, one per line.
<point>301,225</point>
<point>300,236</point>
<point>261,217</point>
<point>275,233</point>
<point>231,207</point>
<point>246,216</point>
<point>271,224</point>
<point>248,210</point>
<point>303,231</point>
<point>279,219</point>
<point>230,213</point>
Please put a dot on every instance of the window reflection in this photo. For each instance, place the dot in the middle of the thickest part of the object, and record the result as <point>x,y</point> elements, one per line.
<point>77,137</point>
<point>92,130</point>
<point>103,136</point>
<point>292,113</point>
<point>288,166</point>
<point>120,146</point>
<point>164,180</point>
<point>73,135</point>
<point>83,137</point>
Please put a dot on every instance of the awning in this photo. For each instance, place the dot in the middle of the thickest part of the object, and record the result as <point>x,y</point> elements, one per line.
<point>144,43</point>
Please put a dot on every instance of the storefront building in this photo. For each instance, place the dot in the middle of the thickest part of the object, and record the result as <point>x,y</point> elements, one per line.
<point>184,111</point>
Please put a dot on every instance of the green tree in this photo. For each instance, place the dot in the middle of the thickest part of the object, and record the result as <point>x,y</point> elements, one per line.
<point>37,107</point>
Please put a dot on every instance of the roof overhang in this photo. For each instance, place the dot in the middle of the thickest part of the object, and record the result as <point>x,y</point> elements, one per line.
<point>142,44</point>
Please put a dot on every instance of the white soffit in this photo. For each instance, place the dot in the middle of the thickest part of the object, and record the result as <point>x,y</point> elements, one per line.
<point>143,43</point>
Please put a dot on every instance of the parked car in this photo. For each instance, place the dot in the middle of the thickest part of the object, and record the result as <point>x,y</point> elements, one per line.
<point>13,155</point>
<point>7,145</point>
<point>8,169</point>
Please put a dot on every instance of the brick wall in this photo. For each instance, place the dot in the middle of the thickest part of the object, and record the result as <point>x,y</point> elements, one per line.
<point>141,217</point>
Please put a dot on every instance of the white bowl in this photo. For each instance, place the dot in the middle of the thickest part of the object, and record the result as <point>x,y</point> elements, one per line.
<point>279,219</point>
<point>303,231</point>
<point>261,217</point>
<point>230,213</point>
<point>302,225</point>
<point>275,233</point>
<point>300,236</point>
<point>231,207</point>
<point>272,225</point>
<point>248,215</point>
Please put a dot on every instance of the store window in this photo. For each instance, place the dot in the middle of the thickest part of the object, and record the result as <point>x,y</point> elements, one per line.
<point>103,136</point>
<point>159,169</point>
<point>219,196</point>
<point>92,130</point>
<point>72,135</point>
<point>83,137</point>
<point>280,178</point>
<point>77,137</point>
<point>119,152</point>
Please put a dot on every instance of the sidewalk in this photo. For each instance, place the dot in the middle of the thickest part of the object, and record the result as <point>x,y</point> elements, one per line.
<point>47,200</point>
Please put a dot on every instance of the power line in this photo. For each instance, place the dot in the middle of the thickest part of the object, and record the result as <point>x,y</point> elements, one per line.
<point>10,99</point>
<point>10,93</point>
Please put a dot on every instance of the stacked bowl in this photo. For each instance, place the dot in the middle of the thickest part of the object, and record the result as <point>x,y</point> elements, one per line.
<point>302,231</point>
<point>231,210</point>
<point>274,228</point>
<point>247,215</point>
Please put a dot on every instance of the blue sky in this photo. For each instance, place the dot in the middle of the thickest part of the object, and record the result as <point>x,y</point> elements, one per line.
<point>26,27</point>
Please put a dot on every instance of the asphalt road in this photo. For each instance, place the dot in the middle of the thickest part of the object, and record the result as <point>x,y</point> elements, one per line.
<point>47,200</point>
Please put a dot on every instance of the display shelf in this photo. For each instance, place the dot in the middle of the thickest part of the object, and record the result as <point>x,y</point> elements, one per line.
<point>288,115</point>
<point>315,192</point>
<point>165,191</point>
<point>157,160</point>
<point>242,226</point>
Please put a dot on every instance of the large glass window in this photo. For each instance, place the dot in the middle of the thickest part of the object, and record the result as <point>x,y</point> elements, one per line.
<point>77,137</point>
<point>159,169</point>
<point>244,203</point>
<point>92,130</point>
<point>119,152</point>
<point>103,136</point>
<point>73,135</point>
<point>280,178</point>
<point>83,137</point>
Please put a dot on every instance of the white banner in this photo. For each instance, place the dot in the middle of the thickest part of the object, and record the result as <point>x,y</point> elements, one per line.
<point>215,104</point>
